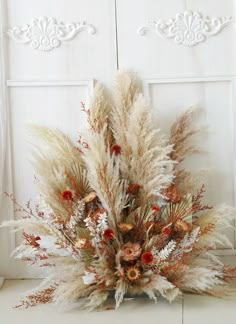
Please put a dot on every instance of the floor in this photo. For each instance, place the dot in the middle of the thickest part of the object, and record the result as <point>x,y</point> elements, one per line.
<point>189,310</point>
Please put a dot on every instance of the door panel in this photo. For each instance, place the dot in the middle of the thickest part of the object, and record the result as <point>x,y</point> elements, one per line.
<point>50,61</point>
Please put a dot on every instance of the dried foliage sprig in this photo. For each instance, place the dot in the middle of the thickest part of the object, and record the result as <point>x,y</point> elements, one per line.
<point>117,215</point>
<point>181,135</point>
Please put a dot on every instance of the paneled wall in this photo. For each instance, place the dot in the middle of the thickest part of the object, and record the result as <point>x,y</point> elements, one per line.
<point>54,51</point>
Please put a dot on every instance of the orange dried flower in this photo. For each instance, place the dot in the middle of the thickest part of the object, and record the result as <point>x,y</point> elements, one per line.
<point>125,227</point>
<point>146,258</point>
<point>108,234</point>
<point>115,149</point>
<point>67,195</point>
<point>133,188</point>
<point>133,273</point>
<point>171,194</point>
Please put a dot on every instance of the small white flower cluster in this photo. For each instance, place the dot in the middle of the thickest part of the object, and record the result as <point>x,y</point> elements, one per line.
<point>102,222</point>
<point>96,229</point>
<point>74,219</point>
<point>163,254</point>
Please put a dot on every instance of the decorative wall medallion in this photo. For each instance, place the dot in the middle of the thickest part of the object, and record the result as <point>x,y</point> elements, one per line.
<point>45,33</point>
<point>188,28</point>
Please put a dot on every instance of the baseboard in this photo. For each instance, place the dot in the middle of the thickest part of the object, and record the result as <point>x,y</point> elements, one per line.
<point>1,281</point>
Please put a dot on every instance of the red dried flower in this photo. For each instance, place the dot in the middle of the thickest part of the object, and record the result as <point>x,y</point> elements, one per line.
<point>147,257</point>
<point>108,234</point>
<point>115,149</point>
<point>133,188</point>
<point>155,208</point>
<point>166,230</point>
<point>67,195</point>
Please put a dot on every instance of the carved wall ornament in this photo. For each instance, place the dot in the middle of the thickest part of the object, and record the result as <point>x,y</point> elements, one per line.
<point>46,34</point>
<point>187,28</point>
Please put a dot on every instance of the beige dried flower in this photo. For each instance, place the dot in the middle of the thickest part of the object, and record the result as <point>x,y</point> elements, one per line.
<point>81,243</point>
<point>130,251</point>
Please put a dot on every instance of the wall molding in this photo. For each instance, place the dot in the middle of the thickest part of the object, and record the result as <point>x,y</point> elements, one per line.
<point>189,28</point>
<point>195,79</point>
<point>49,83</point>
<point>46,33</point>
<point>89,83</point>
<point>5,138</point>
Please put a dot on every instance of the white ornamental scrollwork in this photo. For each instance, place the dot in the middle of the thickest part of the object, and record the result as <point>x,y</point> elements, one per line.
<point>188,28</point>
<point>46,34</point>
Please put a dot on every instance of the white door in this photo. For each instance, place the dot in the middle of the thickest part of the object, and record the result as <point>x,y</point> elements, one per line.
<point>53,52</point>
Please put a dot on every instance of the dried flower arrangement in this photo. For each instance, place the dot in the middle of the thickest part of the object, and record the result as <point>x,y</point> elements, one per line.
<point>118,213</point>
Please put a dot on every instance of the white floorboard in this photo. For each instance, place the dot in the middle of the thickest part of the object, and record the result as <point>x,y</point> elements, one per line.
<point>139,311</point>
<point>194,310</point>
<point>209,310</point>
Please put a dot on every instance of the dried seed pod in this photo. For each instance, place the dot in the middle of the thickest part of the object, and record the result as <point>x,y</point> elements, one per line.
<point>182,226</point>
<point>90,197</point>
<point>125,227</point>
